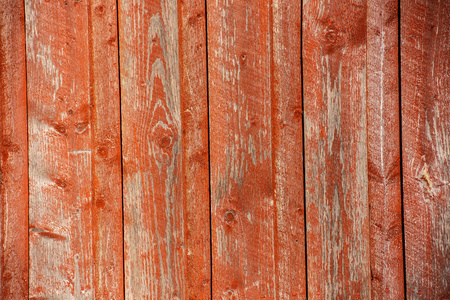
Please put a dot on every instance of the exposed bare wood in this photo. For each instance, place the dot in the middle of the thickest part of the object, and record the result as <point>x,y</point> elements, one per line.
<point>106,161</point>
<point>383,143</point>
<point>334,61</point>
<point>194,114</point>
<point>287,148</point>
<point>13,148</point>
<point>74,150</point>
<point>425,73</point>
<point>243,215</point>
<point>155,245</point>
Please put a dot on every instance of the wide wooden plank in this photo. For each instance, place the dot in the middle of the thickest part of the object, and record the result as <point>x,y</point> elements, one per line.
<point>154,206</point>
<point>74,150</point>
<point>243,215</point>
<point>425,81</point>
<point>334,60</point>
<point>383,143</point>
<point>194,118</point>
<point>14,153</point>
<point>287,147</point>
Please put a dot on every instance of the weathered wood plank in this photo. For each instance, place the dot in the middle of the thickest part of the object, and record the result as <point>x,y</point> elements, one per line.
<point>243,232</point>
<point>154,208</point>
<point>194,117</point>
<point>383,143</point>
<point>74,150</point>
<point>106,142</point>
<point>334,60</point>
<point>425,73</point>
<point>14,153</point>
<point>287,147</point>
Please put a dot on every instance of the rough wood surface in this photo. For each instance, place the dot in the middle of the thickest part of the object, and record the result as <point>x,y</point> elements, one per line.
<point>334,61</point>
<point>13,148</point>
<point>383,143</point>
<point>287,148</point>
<point>425,73</point>
<point>106,161</point>
<point>74,150</point>
<point>155,246</point>
<point>194,116</point>
<point>242,201</point>
<point>256,150</point>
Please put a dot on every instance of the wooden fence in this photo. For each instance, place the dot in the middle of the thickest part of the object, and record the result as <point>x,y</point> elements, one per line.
<point>225,149</point>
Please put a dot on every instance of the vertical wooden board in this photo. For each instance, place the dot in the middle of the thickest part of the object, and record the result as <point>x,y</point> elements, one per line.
<point>425,80</point>
<point>334,61</point>
<point>194,116</point>
<point>106,143</point>
<point>13,159</point>
<point>287,147</point>
<point>155,256</point>
<point>239,47</point>
<point>383,143</point>
<point>71,95</point>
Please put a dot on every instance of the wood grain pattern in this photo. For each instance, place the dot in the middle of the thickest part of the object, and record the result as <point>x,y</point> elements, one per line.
<point>287,148</point>
<point>425,73</point>
<point>239,47</point>
<point>383,143</point>
<point>106,142</point>
<point>334,58</point>
<point>194,117</point>
<point>232,112</point>
<point>14,153</point>
<point>155,246</point>
<point>74,150</point>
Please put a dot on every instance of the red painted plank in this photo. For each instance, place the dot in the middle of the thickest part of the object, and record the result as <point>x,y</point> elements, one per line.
<point>154,206</point>
<point>14,157</point>
<point>334,60</point>
<point>383,143</point>
<point>106,178</point>
<point>239,45</point>
<point>194,118</point>
<point>287,147</point>
<point>425,52</point>
<point>74,150</point>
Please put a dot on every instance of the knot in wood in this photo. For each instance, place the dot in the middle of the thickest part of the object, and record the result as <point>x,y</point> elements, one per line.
<point>229,215</point>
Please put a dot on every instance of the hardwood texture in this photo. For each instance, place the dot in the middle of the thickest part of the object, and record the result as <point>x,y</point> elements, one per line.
<point>75,214</point>
<point>13,159</point>
<point>287,147</point>
<point>425,73</point>
<point>334,61</point>
<point>194,118</point>
<point>242,201</point>
<point>383,143</point>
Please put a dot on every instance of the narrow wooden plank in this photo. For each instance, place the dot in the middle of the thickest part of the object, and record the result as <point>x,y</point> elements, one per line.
<point>243,232</point>
<point>334,60</point>
<point>155,245</point>
<point>74,150</point>
<point>106,178</point>
<point>194,117</point>
<point>14,153</point>
<point>287,147</point>
<point>383,143</point>
<point>425,80</point>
